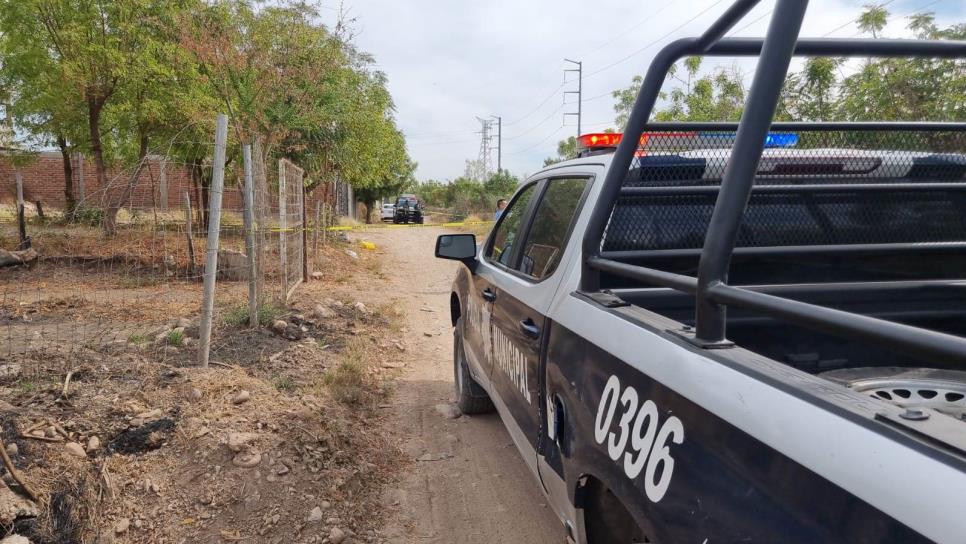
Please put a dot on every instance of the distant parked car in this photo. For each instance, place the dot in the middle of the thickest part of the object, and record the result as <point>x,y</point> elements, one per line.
<point>388,212</point>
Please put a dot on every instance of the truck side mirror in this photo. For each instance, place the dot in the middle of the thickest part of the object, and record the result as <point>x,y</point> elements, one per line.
<point>457,247</point>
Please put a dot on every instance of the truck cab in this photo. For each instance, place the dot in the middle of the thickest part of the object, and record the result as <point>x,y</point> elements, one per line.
<point>733,332</point>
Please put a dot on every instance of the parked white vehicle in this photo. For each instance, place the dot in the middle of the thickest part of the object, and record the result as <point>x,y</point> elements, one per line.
<point>388,212</point>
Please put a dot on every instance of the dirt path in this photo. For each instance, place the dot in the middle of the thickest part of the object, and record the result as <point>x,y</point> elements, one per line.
<point>471,485</point>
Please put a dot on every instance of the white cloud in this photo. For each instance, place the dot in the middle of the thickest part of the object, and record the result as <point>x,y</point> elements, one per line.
<point>448,62</point>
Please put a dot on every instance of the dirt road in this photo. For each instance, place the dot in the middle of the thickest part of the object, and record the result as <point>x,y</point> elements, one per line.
<point>469,483</point>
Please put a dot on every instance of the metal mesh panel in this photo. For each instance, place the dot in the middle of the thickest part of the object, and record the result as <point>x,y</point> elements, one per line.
<point>291,225</point>
<point>794,218</point>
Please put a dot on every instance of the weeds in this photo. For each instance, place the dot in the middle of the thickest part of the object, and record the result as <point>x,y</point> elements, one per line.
<point>349,382</point>
<point>284,384</point>
<point>238,316</point>
<point>175,337</point>
<point>137,339</point>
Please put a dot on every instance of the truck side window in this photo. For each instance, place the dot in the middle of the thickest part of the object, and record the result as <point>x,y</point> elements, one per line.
<point>551,224</point>
<point>508,228</point>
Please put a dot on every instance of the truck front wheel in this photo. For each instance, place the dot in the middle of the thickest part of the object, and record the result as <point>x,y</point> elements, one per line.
<point>470,397</point>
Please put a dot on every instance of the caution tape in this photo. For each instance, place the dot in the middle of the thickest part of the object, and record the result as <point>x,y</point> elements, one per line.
<point>377,226</point>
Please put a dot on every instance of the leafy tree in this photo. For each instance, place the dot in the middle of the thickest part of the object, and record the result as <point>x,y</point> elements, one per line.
<point>566,150</point>
<point>873,19</point>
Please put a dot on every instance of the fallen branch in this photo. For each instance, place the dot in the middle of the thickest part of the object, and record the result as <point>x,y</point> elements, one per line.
<point>63,393</point>
<point>15,474</point>
<point>41,438</point>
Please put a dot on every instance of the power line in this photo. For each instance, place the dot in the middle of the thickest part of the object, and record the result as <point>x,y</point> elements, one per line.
<point>851,21</point>
<point>655,42</point>
<point>635,26</point>
<point>544,139</point>
<point>537,108</point>
<point>536,126</point>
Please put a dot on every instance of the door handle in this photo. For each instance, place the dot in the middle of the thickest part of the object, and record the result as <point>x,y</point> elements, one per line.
<point>530,328</point>
<point>488,295</point>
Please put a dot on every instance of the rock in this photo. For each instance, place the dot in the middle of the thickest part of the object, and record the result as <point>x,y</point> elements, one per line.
<point>449,411</point>
<point>7,407</point>
<point>14,258</point>
<point>315,516</point>
<point>242,397</point>
<point>240,441</point>
<point>280,325</point>
<point>15,539</point>
<point>316,275</point>
<point>122,526</point>
<point>361,307</point>
<point>194,394</point>
<point>233,265</point>
<point>183,323</point>
<point>75,449</point>
<point>247,459</point>
<point>12,449</point>
<point>336,536</point>
<point>352,254</point>
<point>13,507</point>
<point>93,444</point>
<point>326,505</point>
<point>323,312</point>
<point>428,334</point>
<point>282,470</point>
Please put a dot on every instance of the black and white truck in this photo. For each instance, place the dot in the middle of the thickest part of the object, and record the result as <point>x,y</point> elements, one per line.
<point>733,332</point>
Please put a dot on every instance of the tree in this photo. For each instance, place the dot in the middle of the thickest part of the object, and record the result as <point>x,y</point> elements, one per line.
<point>873,19</point>
<point>566,150</point>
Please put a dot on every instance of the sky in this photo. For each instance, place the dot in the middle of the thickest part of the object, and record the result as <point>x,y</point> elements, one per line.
<point>449,62</point>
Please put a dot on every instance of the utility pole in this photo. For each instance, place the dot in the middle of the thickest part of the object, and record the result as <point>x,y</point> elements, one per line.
<point>499,143</point>
<point>579,92</point>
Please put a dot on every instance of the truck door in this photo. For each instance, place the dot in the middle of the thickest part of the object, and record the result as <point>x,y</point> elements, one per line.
<point>525,287</point>
<point>482,293</point>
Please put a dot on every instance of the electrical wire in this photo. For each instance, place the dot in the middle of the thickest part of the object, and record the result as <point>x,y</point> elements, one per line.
<point>542,140</point>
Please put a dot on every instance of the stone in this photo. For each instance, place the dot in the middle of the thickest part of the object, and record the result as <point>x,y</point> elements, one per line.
<point>122,526</point>
<point>247,459</point>
<point>183,323</point>
<point>323,312</point>
<point>93,444</point>
<point>282,470</point>
<point>280,325</point>
<point>243,396</point>
<point>315,516</point>
<point>13,507</point>
<point>316,275</point>
<point>14,258</point>
<point>240,441</point>
<point>7,407</point>
<point>75,449</point>
<point>352,254</point>
<point>360,307</point>
<point>12,449</point>
<point>15,539</point>
<point>449,411</point>
<point>194,394</point>
<point>336,536</point>
<point>326,505</point>
<point>233,265</point>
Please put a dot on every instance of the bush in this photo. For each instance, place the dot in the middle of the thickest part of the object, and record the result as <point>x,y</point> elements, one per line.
<point>86,215</point>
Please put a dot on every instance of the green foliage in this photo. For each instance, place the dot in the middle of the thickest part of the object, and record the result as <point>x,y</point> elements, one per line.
<point>566,150</point>
<point>465,196</point>
<point>238,315</point>
<point>175,337</point>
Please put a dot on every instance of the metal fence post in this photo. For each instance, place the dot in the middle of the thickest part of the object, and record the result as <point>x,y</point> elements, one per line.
<point>305,234</point>
<point>188,220</point>
<point>211,252</point>
<point>282,225</point>
<point>249,219</point>
<point>318,226</point>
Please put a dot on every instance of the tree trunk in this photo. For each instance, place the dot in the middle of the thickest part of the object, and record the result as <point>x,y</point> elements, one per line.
<point>369,206</point>
<point>70,203</point>
<point>94,107</point>
<point>115,204</point>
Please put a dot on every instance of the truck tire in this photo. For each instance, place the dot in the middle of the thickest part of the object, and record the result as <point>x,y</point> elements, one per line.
<point>470,397</point>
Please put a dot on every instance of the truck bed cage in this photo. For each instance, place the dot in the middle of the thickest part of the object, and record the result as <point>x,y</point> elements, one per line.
<point>710,287</point>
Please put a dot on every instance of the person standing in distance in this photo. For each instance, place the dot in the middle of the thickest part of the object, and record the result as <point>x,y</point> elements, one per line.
<point>500,206</point>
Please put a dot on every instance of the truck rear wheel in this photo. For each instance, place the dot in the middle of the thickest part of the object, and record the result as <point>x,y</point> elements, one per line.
<point>470,397</point>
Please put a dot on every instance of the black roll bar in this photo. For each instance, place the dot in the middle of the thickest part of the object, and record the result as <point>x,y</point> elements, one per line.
<point>712,293</point>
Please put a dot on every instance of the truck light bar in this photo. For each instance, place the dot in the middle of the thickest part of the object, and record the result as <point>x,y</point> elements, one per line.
<point>598,141</point>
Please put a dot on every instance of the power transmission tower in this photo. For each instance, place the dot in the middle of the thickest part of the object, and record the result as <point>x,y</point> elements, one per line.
<point>499,143</point>
<point>486,148</point>
<point>579,92</point>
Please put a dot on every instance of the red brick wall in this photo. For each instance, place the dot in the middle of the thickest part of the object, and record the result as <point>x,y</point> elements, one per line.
<point>44,181</point>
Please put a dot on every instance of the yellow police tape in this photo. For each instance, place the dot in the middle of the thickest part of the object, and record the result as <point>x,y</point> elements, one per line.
<point>376,226</point>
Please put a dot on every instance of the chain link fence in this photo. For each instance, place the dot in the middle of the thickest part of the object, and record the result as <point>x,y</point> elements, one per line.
<point>75,292</point>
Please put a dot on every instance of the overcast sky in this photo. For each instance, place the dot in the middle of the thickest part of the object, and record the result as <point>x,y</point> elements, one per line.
<point>450,61</point>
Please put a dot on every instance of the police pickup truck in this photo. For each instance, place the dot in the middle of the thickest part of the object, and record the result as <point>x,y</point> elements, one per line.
<point>733,332</point>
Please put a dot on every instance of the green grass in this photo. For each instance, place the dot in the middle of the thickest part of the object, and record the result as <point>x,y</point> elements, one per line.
<point>238,316</point>
<point>284,383</point>
<point>137,339</point>
<point>27,386</point>
<point>175,337</point>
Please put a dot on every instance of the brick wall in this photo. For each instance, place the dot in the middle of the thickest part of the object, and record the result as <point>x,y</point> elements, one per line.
<point>43,180</point>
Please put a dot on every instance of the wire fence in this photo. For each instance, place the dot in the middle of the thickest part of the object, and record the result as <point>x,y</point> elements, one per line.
<point>69,293</point>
